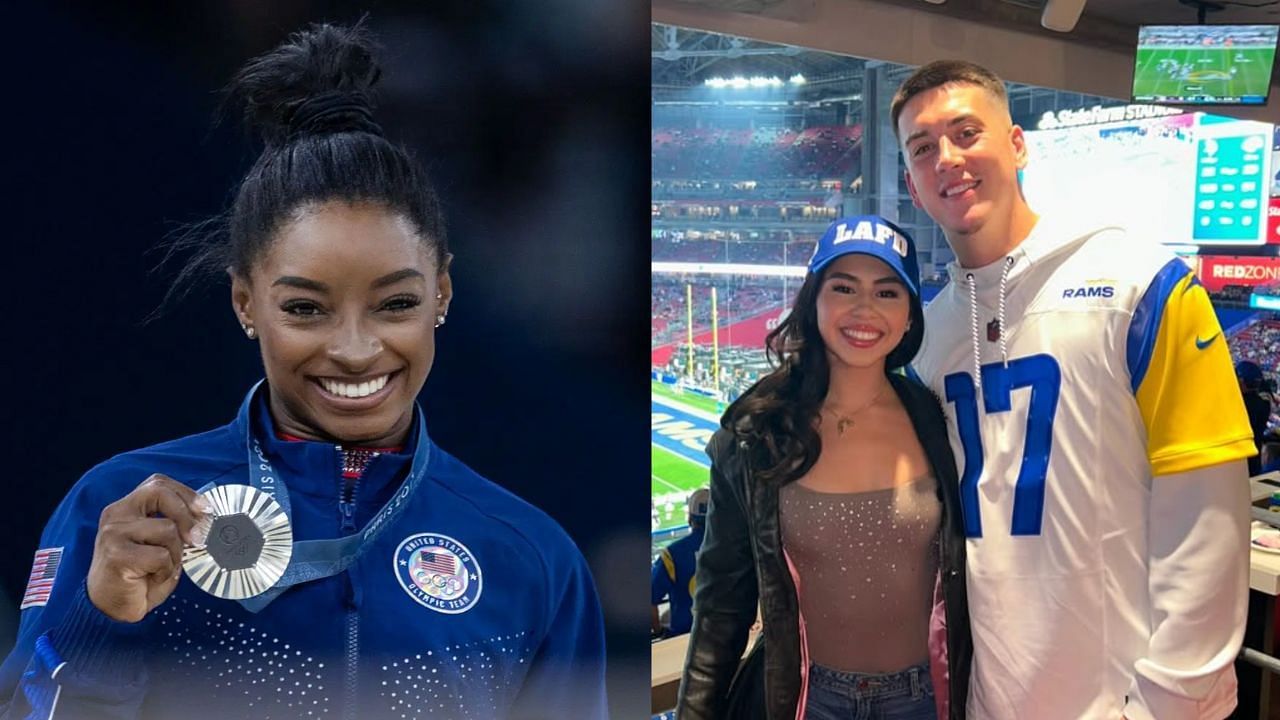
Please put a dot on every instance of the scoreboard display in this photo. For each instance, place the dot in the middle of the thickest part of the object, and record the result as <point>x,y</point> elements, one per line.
<point>1189,179</point>
<point>1232,183</point>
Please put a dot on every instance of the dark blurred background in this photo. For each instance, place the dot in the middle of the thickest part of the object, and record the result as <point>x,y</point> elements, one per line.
<point>533,120</point>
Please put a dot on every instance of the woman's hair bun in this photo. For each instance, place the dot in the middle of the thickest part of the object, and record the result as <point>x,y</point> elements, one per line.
<point>318,81</point>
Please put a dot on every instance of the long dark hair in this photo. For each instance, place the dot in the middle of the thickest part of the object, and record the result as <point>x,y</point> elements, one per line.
<point>775,416</point>
<point>312,101</point>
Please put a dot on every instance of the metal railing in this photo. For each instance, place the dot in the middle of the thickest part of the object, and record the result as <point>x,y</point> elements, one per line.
<point>1261,659</point>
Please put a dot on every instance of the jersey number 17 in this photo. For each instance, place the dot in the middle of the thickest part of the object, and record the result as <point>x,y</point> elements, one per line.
<point>1038,372</point>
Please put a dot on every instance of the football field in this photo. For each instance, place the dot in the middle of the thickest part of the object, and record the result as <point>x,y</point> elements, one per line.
<point>681,425</point>
<point>1184,71</point>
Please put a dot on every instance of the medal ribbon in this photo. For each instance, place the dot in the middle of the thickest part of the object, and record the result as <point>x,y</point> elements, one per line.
<point>317,559</point>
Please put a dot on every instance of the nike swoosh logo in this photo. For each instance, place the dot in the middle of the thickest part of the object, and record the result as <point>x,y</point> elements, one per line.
<point>1202,344</point>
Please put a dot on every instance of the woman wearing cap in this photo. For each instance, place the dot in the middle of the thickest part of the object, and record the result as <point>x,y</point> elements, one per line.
<point>835,510</point>
<point>337,562</point>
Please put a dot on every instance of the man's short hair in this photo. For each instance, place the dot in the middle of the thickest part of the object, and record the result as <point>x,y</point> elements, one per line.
<point>945,72</point>
<point>699,500</point>
<point>1269,452</point>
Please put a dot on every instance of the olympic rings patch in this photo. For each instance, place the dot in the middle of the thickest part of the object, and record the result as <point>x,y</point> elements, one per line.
<point>438,572</point>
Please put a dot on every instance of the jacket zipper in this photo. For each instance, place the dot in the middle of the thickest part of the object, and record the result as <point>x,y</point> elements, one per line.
<point>353,656</point>
<point>347,496</point>
<point>347,506</point>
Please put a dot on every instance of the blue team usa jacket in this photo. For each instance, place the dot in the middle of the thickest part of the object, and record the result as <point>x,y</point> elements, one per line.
<point>518,633</point>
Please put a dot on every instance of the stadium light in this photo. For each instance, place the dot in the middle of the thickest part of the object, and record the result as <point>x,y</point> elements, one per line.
<point>738,82</point>
<point>798,79</point>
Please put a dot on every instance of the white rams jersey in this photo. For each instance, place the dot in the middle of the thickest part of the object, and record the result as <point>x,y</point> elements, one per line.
<point>1117,373</point>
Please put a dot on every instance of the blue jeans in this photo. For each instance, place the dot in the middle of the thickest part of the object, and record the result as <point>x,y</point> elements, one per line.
<point>836,695</point>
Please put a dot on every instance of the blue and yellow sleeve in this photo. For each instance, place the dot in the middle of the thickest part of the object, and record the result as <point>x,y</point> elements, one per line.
<point>662,579</point>
<point>1182,376</point>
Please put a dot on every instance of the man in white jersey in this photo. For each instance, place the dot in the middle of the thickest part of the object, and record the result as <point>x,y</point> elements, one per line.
<point>1093,410</point>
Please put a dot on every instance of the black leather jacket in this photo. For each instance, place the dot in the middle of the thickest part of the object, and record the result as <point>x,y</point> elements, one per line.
<point>741,564</point>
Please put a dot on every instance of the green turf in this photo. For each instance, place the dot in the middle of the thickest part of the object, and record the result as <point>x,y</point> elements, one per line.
<point>699,402</point>
<point>672,473</point>
<point>1209,72</point>
<point>673,478</point>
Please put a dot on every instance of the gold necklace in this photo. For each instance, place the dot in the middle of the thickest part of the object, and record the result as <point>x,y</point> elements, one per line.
<point>844,421</point>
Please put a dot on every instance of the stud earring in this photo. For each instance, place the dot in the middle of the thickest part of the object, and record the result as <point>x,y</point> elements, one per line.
<point>249,331</point>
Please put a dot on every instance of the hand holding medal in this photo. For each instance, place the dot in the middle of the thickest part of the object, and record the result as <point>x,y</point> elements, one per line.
<point>137,553</point>
<point>247,543</point>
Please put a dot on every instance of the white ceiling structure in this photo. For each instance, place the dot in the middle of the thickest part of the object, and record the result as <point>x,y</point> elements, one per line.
<point>1094,58</point>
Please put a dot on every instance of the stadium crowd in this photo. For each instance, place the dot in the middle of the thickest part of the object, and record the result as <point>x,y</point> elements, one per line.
<point>737,298</point>
<point>764,153</point>
<point>774,189</point>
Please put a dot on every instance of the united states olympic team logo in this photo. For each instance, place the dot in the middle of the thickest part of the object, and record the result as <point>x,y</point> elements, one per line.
<point>439,572</point>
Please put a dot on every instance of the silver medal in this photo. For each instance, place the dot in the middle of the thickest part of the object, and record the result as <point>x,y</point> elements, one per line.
<point>248,545</point>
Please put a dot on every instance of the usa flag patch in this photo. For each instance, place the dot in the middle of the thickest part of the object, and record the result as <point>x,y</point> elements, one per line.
<point>43,572</point>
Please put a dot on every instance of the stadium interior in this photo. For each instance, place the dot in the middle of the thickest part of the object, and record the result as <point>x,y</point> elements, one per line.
<point>759,141</point>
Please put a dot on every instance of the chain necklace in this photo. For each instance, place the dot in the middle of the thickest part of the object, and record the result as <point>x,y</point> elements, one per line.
<point>844,421</point>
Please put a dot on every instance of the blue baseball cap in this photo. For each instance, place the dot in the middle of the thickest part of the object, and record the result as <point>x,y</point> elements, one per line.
<point>873,235</point>
<point>869,235</point>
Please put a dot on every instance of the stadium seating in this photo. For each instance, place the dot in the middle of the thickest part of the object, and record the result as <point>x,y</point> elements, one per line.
<point>818,152</point>
<point>737,298</point>
<point>755,252</point>
<point>1259,342</point>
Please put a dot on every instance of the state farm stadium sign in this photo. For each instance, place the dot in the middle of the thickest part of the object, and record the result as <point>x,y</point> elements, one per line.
<point>1217,272</point>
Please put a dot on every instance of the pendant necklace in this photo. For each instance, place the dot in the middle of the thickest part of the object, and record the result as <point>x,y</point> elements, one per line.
<point>844,421</point>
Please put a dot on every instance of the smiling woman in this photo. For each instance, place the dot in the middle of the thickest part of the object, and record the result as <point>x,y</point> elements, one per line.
<point>338,562</point>
<point>344,304</point>
<point>834,509</point>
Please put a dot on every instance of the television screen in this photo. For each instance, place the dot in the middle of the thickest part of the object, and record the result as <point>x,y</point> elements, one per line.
<point>1204,64</point>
